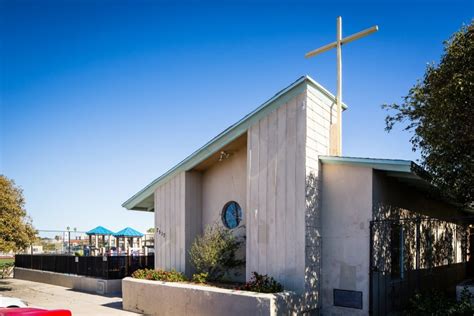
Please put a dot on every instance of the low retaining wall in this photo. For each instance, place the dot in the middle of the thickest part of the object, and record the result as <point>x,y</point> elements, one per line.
<point>76,282</point>
<point>172,298</point>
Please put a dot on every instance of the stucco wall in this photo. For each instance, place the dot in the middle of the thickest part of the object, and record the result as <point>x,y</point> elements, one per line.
<point>346,215</point>
<point>225,181</point>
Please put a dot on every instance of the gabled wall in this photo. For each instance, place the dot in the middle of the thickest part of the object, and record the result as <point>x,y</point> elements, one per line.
<point>280,198</point>
<point>283,225</point>
<point>276,194</point>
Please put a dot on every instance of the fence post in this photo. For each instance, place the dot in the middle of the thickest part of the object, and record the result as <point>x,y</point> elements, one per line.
<point>418,243</point>
<point>127,264</point>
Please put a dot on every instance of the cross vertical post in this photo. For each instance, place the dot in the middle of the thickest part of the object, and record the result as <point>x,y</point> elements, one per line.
<point>336,131</point>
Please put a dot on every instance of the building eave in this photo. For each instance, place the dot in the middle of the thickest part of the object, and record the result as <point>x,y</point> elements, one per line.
<point>395,165</point>
<point>224,138</point>
<point>406,171</point>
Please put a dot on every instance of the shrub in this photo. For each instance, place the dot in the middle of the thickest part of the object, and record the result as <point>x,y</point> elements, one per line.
<point>262,284</point>
<point>6,269</point>
<point>200,277</point>
<point>159,275</point>
<point>435,303</point>
<point>214,252</point>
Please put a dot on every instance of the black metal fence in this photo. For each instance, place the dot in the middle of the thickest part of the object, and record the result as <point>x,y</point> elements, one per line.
<point>111,267</point>
<point>415,255</point>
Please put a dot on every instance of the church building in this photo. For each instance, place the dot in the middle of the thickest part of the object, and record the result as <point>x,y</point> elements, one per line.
<point>346,234</point>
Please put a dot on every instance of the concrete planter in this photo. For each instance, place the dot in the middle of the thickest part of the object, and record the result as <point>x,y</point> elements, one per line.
<point>173,298</point>
<point>75,282</point>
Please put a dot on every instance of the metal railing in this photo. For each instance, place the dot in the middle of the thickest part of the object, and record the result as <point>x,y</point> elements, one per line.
<point>111,267</point>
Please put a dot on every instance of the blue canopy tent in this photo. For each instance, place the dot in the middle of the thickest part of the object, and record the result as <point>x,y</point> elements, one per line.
<point>99,231</point>
<point>128,234</point>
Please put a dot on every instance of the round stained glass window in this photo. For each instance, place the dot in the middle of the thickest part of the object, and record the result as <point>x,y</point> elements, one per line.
<point>231,215</point>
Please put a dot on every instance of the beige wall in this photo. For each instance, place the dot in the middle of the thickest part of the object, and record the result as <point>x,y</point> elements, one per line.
<point>193,214</point>
<point>177,220</point>
<point>284,225</point>
<point>225,181</point>
<point>320,114</point>
<point>276,195</point>
<point>345,219</point>
<point>169,222</point>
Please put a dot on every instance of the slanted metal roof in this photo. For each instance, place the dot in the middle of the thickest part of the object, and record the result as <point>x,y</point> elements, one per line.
<point>396,165</point>
<point>143,200</point>
<point>128,232</point>
<point>405,171</point>
<point>100,230</point>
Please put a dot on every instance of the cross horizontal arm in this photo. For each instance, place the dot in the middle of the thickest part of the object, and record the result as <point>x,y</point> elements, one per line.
<point>345,40</point>
<point>320,50</point>
<point>360,34</point>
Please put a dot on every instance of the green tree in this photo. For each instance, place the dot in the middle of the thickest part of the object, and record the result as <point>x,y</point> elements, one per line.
<point>16,230</point>
<point>439,111</point>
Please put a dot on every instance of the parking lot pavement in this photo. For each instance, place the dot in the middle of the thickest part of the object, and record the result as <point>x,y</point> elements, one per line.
<point>57,297</point>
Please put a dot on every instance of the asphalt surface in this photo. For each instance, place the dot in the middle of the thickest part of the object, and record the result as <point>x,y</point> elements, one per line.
<point>58,297</point>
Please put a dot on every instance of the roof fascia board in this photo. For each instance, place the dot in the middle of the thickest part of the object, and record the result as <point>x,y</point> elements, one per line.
<point>227,136</point>
<point>378,164</point>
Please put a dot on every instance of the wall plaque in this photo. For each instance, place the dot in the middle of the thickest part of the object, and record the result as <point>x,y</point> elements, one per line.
<point>346,298</point>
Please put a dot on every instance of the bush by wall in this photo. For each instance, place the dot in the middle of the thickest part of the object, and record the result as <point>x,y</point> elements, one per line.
<point>262,284</point>
<point>435,303</point>
<point>200,277</point>
<point>214,252</point>
<point>159,275</point>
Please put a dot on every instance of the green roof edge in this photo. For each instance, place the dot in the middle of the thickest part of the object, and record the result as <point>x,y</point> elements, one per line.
<point>376,163</point>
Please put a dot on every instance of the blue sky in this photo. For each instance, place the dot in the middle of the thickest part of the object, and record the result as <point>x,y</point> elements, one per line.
<point>99,98</point>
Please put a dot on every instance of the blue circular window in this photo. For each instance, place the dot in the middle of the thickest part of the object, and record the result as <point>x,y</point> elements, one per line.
<point>231,215</point>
